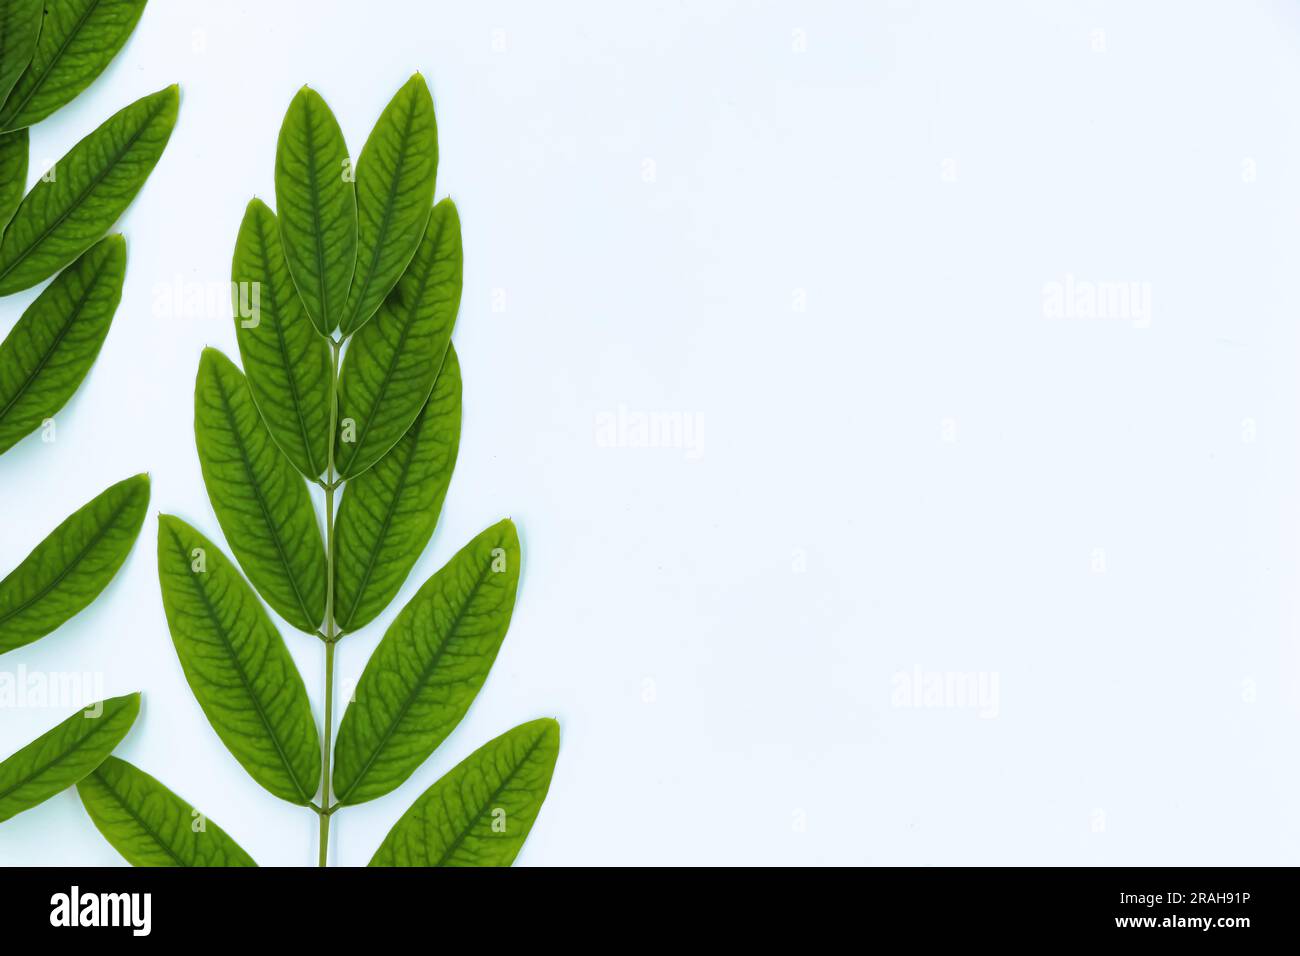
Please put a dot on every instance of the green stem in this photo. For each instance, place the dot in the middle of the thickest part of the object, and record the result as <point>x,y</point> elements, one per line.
<point>331,634</point>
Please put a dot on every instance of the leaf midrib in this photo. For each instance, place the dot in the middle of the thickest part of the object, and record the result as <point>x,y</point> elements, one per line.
<point>243,677</point>
<point>81,197</point>
<point>49,67</point>
<point>417,686</point>
<point>58,339</point>
<point>80,743</point>
<point>354,318</point>
<point>98,536</point>
<point>469,828</point>
<point>144,825</point>
<point>257,493</point>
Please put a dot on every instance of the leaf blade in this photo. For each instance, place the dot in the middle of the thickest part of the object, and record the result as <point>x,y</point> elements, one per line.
<point>13,173</point>
<point>288,365</point>
<point>452,823</point>
<point>428,667</point>
<point>78,39</point>
<point>237,665</point>
<point>64,754</point>
<point>396,176</point>
<point>260,501</point>
<point>20,26</point>
<point>93,184</point>
<point>52,347</point>
<point>389,512</point>
<point>392,363</point>
<point>317,207</point>
<point>73,564</point>
<point>148,824</point>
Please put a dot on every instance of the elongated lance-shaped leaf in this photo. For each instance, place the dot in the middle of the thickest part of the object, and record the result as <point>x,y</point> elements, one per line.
<point>13,173</point>
<point>287,363</point>
<point>75,562</point>
<point>317,202</point>
<point>63,755</point>
<point>88,189</point>
<point>78,40</point>
<point>388,514</point>
<point>428,668</point>
<point>151,826</point>
<point>260,501</point>
<point>480,813</point>
<point>237,664</point>
<point>395,181</point>
<point>20,25</point>
<point>53,345</point>
<point>393,361</point>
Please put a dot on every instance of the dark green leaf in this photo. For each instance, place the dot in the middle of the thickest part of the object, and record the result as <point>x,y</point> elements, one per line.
<point>51,348</point>
<point>317,203</point>
<point>480,813</point>
<point>20,25</point>
<point>150,825</point>
<point>13,173</point>
<point>287,363</point>
<point>428,668</point>
<point>60,757</point>
<point>90,188</point>
<point>78,40</point>
<point>67,570</point>
<point>392,363</point>
<point>261,502</point>
<point>388,514</point>
<point>237,664</point>
<point>395,183</point>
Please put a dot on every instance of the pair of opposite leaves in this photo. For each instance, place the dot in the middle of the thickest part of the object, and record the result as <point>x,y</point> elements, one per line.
<point>261,437</point>
<point>50,52</point>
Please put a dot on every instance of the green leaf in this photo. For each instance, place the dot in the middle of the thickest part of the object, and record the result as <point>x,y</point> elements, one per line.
<point>13,173</point>
<point>388,514</point>
<point>428,668</point>
<point>60,757</point>
<point>67,570</point>
<point>287,363</point>
<point>260,501</point>
<point>318,207</point>
<point>237,664</point>
<point>395,183</point>
<point>150,825</point>
<point>53,345</point>
<point>392,363</point>
<point>480,813</point>
<point>20,25</point>
<point>90,188</point>
<point>78,40</point>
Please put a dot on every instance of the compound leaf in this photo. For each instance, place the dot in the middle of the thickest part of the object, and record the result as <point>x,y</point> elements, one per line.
<point>395,183</point>
<point>428,668</point>
<point>53,345</point>
<point>88,190</point>
<point>78,39</point>
<point>393,361</point>
<point>60,757</point>
<point>67,570</point>
<point>237,664</point>
<point>260,500</point>
<point>388,514</point>
<point>287,363</point>
<point>480,813</point>
<point>20,25</point>
<point>317,202</point>
<point>151,826</point>
<point>13,173</point>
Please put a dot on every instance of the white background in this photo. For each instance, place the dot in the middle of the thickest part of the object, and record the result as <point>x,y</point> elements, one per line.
<point>823,232</point>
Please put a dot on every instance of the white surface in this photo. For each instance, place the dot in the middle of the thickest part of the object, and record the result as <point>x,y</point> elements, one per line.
<point>1146,714</point>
